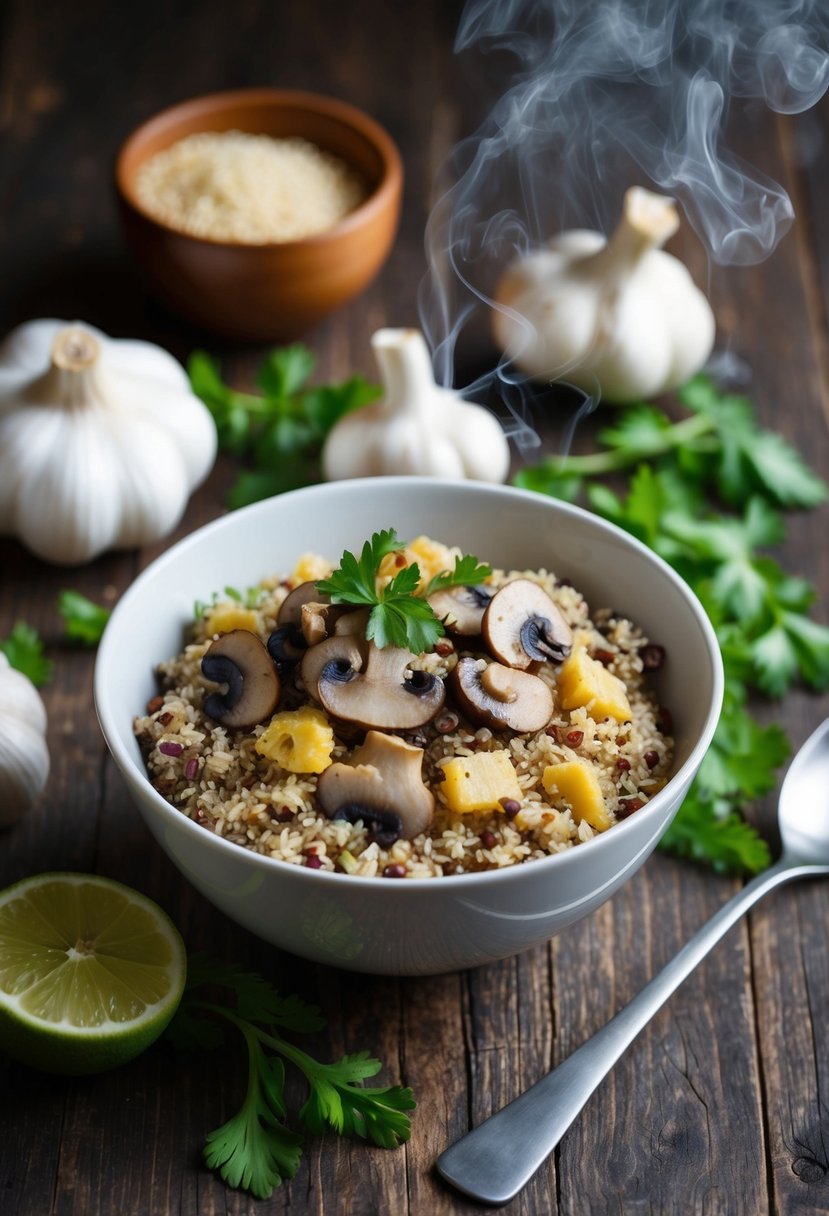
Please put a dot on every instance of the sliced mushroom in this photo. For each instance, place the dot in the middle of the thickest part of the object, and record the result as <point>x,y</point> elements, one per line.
<point>377,694</point>
<point>240,661</point>
<point>381,784</point>
<point>354,622</point>
<point>461,608</point>
<point>286,645</point>
<point>522,625</point>
<point>501,697</point>
<point>341,657</point>
<point>290,612</point>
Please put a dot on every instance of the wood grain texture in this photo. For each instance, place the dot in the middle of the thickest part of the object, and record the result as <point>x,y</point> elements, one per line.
<point>722,1105</point>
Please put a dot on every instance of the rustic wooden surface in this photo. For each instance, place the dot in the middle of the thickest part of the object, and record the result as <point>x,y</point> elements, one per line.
<point>721,1106</point>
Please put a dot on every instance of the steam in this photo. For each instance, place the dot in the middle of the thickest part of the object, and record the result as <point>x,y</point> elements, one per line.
<point>604,94</point>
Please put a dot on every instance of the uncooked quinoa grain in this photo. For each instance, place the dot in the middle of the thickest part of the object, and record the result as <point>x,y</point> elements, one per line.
<point>216,776</point>
<point>249,189</point>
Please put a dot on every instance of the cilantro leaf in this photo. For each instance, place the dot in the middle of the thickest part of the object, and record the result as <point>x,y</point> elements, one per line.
<point>84,620</point>
<point>468,572</point>
<point>285,370</point>
<point>279,434</point>
<point>338,1100</point>
<point>24,650</point>
<point>706,493</point>
<point>256,999</point>
<point>728,844</point>
<point>254,1150</point>
<point>398,617</point>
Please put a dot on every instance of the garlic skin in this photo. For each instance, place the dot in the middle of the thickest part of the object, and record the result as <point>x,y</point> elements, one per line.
<point>24,756</point>
<point>616,317</point>
<point>101,441</point>
<point>417,428</point>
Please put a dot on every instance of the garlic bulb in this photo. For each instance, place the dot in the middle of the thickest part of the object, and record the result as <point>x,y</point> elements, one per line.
<point>24,757</point>
<point>101,441</point>
<point>418,427</point>
<point>618,317</point>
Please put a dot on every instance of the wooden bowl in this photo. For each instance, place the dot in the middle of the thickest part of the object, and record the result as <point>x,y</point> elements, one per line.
<point>273,292</point>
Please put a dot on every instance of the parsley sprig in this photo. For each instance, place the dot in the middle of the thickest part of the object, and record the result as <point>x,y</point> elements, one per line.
<point>398,616</point>
<point>279,433</point>
<point>256,1149</point>
<point>24,650</point>
<point>83,620</point>
<point>674,471</point>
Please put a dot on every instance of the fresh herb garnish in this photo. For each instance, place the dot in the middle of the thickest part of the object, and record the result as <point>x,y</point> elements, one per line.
<point>84,621</point>
<point>256,1149</point>
<point>280,432</point>
<point>467,573</point>
<point>398,617</point>
<point>24,650</point>
<point>249,598</point>
<point>676,470</point>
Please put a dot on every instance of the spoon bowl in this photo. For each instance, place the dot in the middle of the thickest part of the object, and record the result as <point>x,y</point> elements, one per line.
<point>803,808</point>
<point>493,1162</point>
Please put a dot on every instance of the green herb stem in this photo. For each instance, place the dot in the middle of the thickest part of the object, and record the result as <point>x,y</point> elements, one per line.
<point>598,464</point>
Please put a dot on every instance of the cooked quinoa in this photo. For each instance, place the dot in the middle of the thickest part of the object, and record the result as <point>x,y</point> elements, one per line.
<point>254,189</point>
<point>216,776</point>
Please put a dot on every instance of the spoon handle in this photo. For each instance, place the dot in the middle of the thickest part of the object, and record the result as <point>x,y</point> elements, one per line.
<point>493,1162</point>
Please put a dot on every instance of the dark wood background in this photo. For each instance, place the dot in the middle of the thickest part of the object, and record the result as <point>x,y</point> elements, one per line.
<point>721,1106</point>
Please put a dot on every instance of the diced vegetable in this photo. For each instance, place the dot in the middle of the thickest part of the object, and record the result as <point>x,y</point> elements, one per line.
<point>578,785</point>
<point>224,618</point>
<point>299,740</point>
<point>583,681</point>
<point>480,782</point>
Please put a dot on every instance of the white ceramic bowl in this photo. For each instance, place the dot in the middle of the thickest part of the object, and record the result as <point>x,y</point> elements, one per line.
<point>418,926</point>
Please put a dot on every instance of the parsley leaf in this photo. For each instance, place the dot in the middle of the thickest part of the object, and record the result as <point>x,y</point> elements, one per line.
<point>706,493</point>
<point>24,650</point>
<point>398,617</point>
<point>279,434</point>
<point>467,573</point>
<point>84,621</point>
<point>729,844</point>
<point>255,1150</point>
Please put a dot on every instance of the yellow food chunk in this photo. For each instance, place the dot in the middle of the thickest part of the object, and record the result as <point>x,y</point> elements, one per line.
<point>299,740</point>
<point>583,681</point>
<point>309,568</point>
<point>432,558</point>
<point>578,785</point>
<point>479,782</point>
<point>224,618</point>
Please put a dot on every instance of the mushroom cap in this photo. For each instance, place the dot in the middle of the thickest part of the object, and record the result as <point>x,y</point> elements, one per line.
<point>239,660</point>
<point>286,645</point>
<point>522,625</point>
<point>290,612</point>
<point>380,783</point>
<point>501,697</point>
<point>461,609</point>
<point>378,694</point>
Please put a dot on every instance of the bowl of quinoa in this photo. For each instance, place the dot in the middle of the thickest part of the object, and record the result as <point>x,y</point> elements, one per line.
<point>408,810</point>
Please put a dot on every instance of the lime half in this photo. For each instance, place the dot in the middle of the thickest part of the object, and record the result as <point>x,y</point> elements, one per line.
<point>90,972</point>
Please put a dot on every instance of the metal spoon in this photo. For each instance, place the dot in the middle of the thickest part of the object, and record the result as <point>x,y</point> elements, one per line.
<point>493,1162</point>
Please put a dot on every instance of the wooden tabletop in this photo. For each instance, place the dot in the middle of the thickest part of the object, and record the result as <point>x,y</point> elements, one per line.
<point>721,1106</point>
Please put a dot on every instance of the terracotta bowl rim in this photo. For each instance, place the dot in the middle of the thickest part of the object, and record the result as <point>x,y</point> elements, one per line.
<point>385,193</point>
